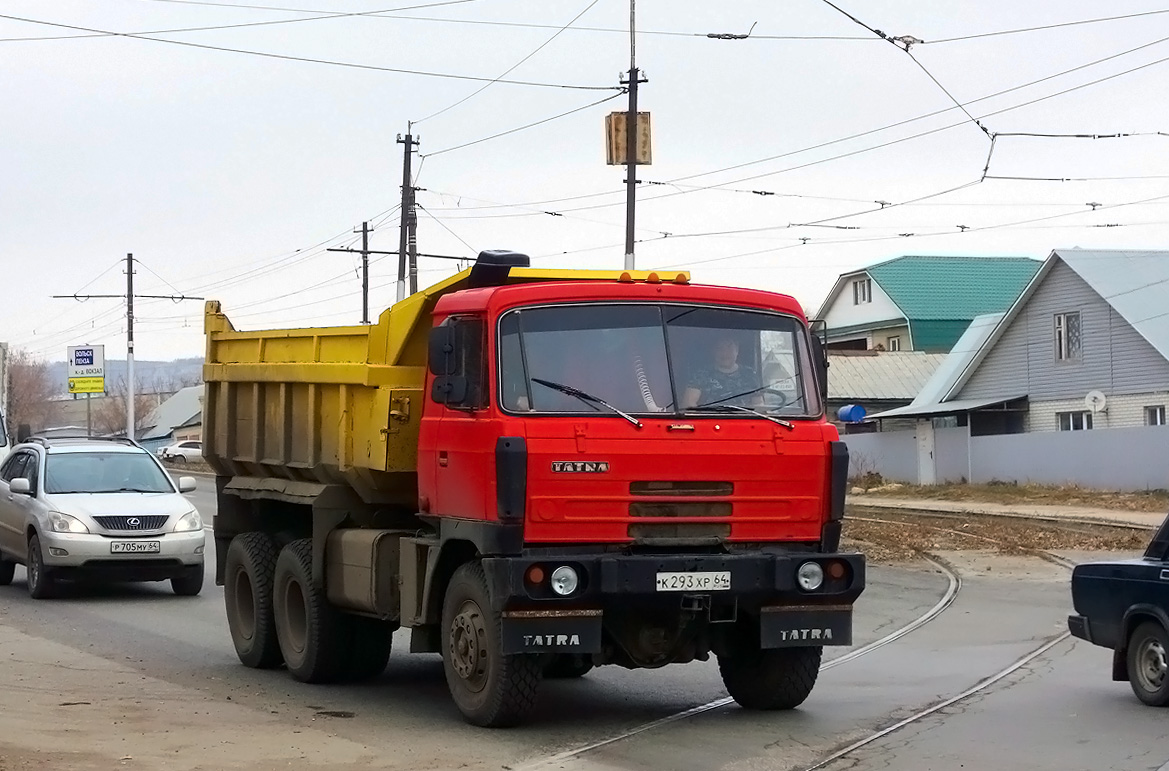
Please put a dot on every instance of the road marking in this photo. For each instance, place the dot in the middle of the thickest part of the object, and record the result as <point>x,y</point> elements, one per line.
<point>952,589</point>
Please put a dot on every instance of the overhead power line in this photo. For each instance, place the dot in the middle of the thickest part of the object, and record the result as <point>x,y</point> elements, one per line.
<point>310,60</point>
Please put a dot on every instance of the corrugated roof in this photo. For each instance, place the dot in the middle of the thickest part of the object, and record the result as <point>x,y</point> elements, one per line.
<point>945,408</point>
<point>890,375</point>
<point>1135,284</point>
<point>953,288</point>
<point>968,346</point>
<point>175,411</point>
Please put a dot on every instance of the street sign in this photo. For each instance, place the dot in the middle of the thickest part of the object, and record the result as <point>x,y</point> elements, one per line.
<point>87,369</point>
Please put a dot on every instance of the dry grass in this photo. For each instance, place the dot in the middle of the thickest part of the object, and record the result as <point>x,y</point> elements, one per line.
<point>1156,501</point>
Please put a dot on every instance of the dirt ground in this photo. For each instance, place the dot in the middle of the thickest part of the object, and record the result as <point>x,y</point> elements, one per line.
<point>1156,501</point>
<point>899,537</point>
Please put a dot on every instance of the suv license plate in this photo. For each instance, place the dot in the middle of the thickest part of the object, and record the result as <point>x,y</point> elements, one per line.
<point>134,547</point>
<point>713,581</point>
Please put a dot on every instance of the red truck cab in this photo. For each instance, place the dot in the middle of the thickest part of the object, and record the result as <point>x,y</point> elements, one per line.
<point>647,475</point>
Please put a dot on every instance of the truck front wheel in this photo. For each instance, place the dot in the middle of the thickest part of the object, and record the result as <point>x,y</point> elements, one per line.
<point>771,679</point>
<point>307,626</point>
<point>489,688</point>
<point>249,568</point>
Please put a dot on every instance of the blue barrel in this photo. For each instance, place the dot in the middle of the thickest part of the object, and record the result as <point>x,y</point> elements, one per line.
<point>851,413</point>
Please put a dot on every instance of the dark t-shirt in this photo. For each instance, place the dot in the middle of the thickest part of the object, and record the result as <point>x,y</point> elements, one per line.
<point>716,386</point>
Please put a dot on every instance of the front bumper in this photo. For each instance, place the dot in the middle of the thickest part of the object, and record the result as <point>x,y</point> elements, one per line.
<point>762,583</point>
<point>91,553</point>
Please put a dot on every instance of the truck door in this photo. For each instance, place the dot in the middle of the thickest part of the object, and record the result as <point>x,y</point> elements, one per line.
<point>464,448</point>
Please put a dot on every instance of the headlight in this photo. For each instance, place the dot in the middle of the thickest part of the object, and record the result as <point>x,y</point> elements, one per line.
<point>63,523</point>
<point>810,576</point>
<point>189,522</point>
<point>564,580</point>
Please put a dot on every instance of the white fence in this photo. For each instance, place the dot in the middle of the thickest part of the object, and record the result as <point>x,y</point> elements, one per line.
<point>1105,459</point>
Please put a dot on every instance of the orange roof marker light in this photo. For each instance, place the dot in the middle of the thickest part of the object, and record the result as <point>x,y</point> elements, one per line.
<point>653,278</point>
<point>681,278</point>
<point>626,278</point>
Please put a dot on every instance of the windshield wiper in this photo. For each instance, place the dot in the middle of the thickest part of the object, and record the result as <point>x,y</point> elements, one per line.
<point>585,397</point>
<point>737,408</point>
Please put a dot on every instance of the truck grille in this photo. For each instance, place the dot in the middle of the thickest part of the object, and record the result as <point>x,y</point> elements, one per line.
<point>683,489</point>
<point>681,531</point>
<point>681,509</point>
<point>130,524</point>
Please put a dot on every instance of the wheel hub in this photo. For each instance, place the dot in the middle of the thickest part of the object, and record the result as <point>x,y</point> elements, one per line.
<point>1153,665</point>
<point>468,646</point>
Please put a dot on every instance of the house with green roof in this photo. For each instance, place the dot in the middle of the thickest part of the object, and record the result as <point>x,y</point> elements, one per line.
<point>920,303</point>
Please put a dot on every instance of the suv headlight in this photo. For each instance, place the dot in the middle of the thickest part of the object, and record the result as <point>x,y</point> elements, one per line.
<point>63,523</point>
<point>189,522</point>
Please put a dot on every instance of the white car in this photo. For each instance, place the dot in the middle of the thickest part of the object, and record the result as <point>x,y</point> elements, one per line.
<point>182,451</point>
<point>78,508</point>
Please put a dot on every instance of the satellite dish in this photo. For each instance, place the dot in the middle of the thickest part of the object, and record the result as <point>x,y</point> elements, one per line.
<point>1095,401</point>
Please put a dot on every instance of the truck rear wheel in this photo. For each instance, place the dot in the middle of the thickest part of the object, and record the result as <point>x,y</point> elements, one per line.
<point>772,679</point>
<point>370,640</point>
<point>250,567</point>
<point>489,688</point>
<point>308,628</point>
<point>1148,667</point>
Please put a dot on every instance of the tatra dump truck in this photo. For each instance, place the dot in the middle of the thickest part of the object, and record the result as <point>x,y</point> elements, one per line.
<point>536,472</point>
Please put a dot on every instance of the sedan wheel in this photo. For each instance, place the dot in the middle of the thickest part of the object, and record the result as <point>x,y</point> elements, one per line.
<point>1148,664</point>
<point>41,584</point>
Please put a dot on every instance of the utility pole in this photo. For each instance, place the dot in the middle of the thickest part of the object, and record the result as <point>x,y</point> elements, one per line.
<point>365,273</point>
<point>129,298</point>
<point>130,433</point>
<point>406,249</point>
<point>631,141</point>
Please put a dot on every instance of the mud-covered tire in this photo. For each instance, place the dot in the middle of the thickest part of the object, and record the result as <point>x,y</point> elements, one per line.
<point>249,570</point>
<point>1148,672</point>
<point>489,688</point>
<point>370,640</point>
<point>190,583</point>
<point>310,631</point>
<point>772,679</point>
<point>567,666</point>
<point>41,583</point>
<point>7,570</point>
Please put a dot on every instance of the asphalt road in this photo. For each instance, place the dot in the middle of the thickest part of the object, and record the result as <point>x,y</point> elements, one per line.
<point>1058,711</point>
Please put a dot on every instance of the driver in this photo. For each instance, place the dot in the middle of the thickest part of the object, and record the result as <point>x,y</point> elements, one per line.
<point>726,382</point>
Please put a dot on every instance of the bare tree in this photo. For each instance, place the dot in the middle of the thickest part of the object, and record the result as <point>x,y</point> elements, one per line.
<point>110,416</point>
<point>30,393</point>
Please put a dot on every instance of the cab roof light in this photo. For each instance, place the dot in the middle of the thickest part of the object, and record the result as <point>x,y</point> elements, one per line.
<point>626,278</point>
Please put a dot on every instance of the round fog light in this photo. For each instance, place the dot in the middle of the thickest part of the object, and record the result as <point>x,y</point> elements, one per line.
<point>564,580</point>
<point>810,576</point>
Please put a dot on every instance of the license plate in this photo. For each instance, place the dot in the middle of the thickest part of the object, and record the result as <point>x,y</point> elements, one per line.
<point>134,547</point>
<point>712,581</point>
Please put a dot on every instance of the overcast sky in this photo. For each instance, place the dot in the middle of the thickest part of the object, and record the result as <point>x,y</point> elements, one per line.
<point>227,174</point>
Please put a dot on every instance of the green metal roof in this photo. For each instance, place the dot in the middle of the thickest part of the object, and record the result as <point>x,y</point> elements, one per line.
<point>939,289</point>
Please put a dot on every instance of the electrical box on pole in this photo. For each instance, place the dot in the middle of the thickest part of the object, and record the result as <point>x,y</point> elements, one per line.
<point>615,139</point>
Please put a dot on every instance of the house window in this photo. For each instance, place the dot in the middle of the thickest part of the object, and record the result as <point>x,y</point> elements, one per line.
<point>1074,421</point>
<point>894,344</point>
<point>862,291</point>
<point>1067,336</point>
<point>1155,416</point>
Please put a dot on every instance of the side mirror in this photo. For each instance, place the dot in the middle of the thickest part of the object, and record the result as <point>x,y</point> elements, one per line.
<point>20,485</point>
<point>449,389</point>
<point>820,362</point>
<point>440,352</point>
<point>187,484</point>
<point>23,432</point>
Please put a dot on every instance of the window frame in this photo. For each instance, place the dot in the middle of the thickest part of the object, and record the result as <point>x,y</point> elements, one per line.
<point>1157,410</point>
<point>893,344</point>
<point>1062,338</point>
<point>862,291</point>
<point>1085,416</point>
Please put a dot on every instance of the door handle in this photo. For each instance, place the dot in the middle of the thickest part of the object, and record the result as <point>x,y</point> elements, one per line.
<point>1165,575</point>
<point>443,460</point>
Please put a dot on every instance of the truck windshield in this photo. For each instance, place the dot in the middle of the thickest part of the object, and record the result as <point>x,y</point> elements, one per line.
<point>654,358</point>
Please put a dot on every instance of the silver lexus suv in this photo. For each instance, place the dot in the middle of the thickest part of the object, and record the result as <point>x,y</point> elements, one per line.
<point>86,508</point>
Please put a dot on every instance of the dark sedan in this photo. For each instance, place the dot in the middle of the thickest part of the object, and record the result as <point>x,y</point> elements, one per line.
<point>1124,605</point>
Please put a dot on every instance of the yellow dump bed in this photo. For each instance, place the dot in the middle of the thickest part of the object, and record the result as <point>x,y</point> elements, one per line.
<point>333,405</point>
